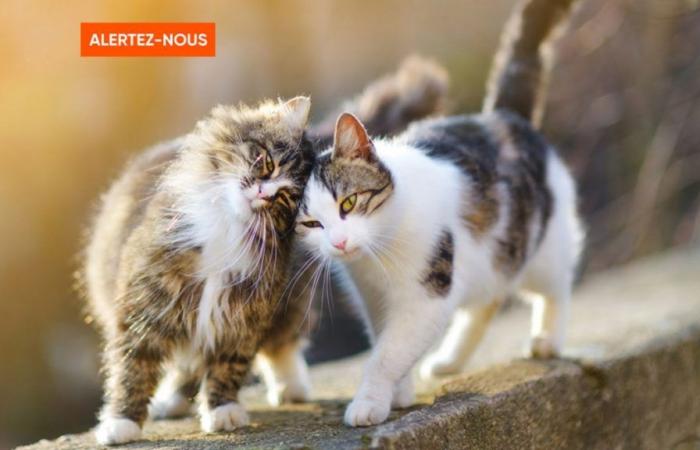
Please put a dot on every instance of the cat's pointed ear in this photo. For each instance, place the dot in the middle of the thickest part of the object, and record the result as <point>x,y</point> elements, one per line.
<point>296,112</point>
<point>351,139</point>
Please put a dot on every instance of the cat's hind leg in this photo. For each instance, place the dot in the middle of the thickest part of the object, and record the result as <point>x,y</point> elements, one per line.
<point>176,392</point>
<point>281,357</point>
<point>547,287</point>
<point>285,373</point>
<point>551,272</point>
<point>548,323</point>
<point>461,340</point>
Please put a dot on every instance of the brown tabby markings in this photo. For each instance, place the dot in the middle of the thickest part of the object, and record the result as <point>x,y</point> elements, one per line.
<point>341,176</point>
<point>482,213</point>
<point>438,277</point>
<point>164,315</point>
<point>143,280</point>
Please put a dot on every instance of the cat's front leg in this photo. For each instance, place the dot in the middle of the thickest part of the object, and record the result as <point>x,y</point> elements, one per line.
<point>463,336</point>
<point>220,410</point>
<point>412,325</point>
<point>133,368</point>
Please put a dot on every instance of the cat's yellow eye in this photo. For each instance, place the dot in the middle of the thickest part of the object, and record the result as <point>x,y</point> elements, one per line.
<point>269,163</point>
<point>348,204</point>
<point>312,224</point>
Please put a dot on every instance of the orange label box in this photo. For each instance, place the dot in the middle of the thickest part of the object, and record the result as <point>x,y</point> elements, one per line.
<point>147,39</point>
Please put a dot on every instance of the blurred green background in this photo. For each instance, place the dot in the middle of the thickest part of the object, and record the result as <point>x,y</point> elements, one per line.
<point>623,108</point>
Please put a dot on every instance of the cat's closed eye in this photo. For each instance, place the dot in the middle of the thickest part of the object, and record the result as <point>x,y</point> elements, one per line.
<point>269,163</point>
<point>264,164</point>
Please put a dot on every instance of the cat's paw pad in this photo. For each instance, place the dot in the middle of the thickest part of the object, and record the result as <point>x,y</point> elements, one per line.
<point>543,347</point>
<point>226,417</point>
<point>170,406</point>
<point>291,391</point>
<point>117,430</point>
<point>438,367</point>
<point>366,412</point>
<point>404,396</point>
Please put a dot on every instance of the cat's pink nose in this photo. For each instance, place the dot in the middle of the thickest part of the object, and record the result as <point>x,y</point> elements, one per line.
<point>262,194</point>
<point>341,244</point>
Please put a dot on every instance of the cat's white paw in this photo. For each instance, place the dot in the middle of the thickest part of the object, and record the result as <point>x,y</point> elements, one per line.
<point>294,390</point>
<point>117,430</point>
<point>362,412</point>
<point>226,417</point>
<point>174,404</point>
<point>543,347</point>
<point>435,367</point>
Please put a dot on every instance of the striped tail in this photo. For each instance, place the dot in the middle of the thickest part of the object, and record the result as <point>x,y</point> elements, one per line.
<point>518,77</point>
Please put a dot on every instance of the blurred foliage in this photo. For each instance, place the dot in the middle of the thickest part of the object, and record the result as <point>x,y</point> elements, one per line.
<point>623,109</point>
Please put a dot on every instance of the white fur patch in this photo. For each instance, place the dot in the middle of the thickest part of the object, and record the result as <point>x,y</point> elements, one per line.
<point>168,402</point>
<point>117,430</point>
<point>210,316</point>
<point>166,406</point>
<point>226,417</point>
<point>363,412</point>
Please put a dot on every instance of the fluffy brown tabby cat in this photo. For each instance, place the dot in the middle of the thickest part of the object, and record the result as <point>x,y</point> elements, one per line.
<point>190,254</point>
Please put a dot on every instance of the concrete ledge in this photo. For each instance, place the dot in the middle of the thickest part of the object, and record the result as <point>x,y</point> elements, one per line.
<point>650,400</point>
<point>631,379</point>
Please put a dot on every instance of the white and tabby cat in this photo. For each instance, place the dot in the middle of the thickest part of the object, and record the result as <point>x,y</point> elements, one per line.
<point>444,221</point>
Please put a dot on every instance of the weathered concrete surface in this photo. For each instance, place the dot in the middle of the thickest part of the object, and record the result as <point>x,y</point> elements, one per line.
<point>631,380</point>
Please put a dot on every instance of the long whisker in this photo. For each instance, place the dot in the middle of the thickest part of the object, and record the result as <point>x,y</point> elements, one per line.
<point>314,282</point>
<point>291,284</point>
<point>328,288</point>
<point>373,255</point>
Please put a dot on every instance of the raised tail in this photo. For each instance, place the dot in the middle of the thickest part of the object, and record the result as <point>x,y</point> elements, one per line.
<point>521,68</point>
<point>418,89</point>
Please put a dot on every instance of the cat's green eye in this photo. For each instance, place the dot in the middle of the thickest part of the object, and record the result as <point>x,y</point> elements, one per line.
<point>312,224</point>
<point>348,204</point>
<point>269,163</point>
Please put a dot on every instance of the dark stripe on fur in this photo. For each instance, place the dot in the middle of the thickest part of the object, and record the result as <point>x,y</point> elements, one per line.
<point>438,277</point>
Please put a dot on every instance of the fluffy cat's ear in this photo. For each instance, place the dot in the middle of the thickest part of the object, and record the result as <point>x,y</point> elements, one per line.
<point>295,112</point>
<point>351,140</point>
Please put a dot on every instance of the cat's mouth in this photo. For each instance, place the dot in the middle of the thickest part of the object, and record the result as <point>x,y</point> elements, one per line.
<point>347,254</point>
